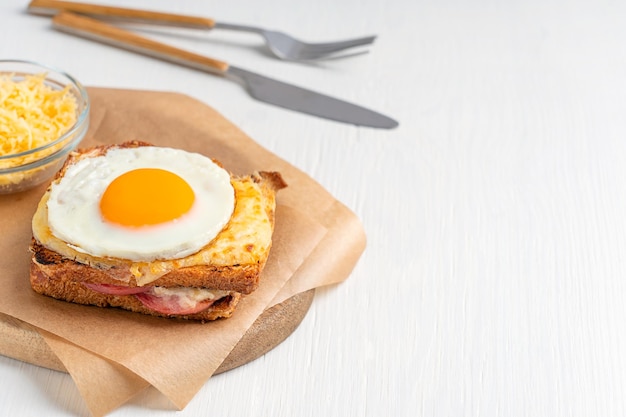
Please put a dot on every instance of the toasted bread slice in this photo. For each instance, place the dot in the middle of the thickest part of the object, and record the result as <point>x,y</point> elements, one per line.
<point>230,265</point>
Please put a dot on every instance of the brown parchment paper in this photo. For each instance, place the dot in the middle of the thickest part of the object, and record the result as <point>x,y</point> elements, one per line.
<point>112,354</point>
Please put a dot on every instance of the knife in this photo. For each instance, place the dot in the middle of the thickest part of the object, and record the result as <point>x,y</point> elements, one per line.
<point>258,86</point>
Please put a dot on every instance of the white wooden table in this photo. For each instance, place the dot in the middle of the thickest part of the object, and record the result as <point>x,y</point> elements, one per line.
<point>493,282</point>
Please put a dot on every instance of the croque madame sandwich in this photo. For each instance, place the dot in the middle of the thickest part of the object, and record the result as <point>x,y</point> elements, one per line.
<point>152,230</point>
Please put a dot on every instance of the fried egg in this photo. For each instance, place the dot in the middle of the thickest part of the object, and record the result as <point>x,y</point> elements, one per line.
<point>141,204</point>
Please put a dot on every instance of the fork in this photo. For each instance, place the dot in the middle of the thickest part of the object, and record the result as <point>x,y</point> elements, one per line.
<point>280,44</point>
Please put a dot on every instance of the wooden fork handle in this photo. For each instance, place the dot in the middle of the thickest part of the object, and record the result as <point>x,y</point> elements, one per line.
<point>94,29</point>
<point>51,7</point>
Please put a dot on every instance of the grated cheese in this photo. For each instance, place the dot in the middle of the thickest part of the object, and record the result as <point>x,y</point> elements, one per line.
<point>32,113</point>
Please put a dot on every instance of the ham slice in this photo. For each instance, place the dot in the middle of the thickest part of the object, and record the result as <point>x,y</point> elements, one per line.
<point>164,304</point>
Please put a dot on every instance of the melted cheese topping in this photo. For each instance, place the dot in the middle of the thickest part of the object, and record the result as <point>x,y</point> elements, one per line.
<point>32,114</point>
<point>244,240</point>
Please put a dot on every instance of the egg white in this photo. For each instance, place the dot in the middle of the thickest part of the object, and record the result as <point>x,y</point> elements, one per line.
<point>74,213</point>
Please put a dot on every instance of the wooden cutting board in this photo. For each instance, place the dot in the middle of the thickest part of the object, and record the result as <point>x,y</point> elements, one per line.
<point>19,340</point>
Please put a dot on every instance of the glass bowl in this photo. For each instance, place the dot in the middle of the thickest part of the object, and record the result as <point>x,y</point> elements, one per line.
<point>22,170</point>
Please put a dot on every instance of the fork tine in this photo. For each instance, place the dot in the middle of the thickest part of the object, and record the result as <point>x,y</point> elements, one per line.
<point>330,47</point>
<point>312,52</point>
<point>331,55</point>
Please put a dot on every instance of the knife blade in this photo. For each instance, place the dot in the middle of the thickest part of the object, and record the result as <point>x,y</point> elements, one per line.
<point>306,101</point>
<point>260,87</point>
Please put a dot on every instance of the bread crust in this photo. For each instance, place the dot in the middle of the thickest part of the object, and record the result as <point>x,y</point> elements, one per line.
<point>58,276</point>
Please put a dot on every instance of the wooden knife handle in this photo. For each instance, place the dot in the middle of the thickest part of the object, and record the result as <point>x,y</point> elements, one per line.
<point>103,32</point>
<point>51,7</point>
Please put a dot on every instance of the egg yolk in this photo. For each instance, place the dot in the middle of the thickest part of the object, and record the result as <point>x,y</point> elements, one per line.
<point>146,196</point>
